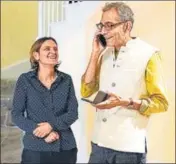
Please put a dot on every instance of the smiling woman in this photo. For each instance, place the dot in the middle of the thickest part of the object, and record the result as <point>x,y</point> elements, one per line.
<point>44,51</point>
<point>48,97</point>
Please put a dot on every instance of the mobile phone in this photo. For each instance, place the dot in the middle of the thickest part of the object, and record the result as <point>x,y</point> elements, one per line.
<point>102,40</point>
<point>100,97</point>
<point>87,100</point>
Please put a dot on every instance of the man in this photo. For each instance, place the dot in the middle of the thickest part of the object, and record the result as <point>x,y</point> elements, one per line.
<point>129,70</point>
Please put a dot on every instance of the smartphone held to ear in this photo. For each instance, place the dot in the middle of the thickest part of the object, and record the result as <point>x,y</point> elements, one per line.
<point>102,40</point>
<point>100,97</point>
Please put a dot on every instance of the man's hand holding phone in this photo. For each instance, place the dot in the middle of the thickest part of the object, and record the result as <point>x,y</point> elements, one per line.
<point>107,101</point>
<point>94,64</point>
<point>97,47</point>
<point>111,102</point>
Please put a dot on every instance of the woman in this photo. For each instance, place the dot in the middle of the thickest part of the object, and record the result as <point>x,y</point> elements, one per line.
<point>45,106</point>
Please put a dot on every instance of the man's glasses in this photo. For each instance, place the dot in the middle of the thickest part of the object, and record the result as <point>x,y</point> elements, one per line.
<point>108,26</point>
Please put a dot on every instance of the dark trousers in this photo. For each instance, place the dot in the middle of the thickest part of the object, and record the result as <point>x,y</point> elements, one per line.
<point>106,155</point>
<point>41,157</point>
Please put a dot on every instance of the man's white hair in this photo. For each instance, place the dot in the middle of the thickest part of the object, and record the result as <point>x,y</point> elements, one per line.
<point>124,11</point>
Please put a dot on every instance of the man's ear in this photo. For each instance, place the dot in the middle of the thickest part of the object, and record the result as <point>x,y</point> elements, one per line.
<point>127,26</point>
<point>36,55</point>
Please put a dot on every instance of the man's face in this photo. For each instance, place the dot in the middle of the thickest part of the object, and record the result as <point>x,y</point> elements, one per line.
<point>114,28</point>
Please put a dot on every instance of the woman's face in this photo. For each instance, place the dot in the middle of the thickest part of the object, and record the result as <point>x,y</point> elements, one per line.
<point>48,53</point>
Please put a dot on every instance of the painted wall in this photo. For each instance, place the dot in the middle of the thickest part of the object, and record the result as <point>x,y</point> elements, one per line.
<point>19,28</point>
<point>154,23</point>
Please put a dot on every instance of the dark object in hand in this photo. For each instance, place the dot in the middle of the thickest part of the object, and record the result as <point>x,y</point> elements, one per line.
<point>100,97</point>
<point>102,40</point>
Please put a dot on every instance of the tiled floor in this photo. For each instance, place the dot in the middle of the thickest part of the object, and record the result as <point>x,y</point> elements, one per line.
<point>10,145</point>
